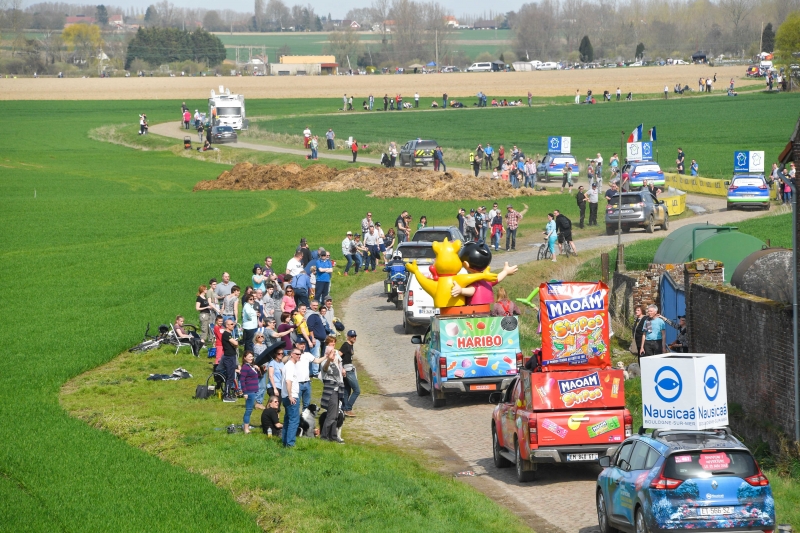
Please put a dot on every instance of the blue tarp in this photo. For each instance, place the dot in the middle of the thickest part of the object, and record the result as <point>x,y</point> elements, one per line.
<point>431,64</point>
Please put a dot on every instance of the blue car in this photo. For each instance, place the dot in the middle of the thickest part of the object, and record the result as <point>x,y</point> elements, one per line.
<point>640,171</point>
<point>681,480</point>
<point>748,190</point>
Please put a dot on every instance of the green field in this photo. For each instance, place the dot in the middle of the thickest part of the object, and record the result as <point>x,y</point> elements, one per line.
<point>121,229</point>
<point>314,43</point>
<point>708,129</point>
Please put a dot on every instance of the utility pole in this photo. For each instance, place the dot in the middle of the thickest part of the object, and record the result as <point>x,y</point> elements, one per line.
<point>761,40</point>
<point>620,249</point>
<point>436,35</point>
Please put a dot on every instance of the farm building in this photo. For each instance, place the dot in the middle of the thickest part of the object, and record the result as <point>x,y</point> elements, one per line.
<point>304,65</point>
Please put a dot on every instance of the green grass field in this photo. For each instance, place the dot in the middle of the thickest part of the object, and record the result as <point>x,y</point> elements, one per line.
<point>708,129</point>
<point>120,230</point>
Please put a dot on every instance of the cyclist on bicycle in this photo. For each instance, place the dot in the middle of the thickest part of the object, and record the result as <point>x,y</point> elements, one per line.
<point>564,228</point>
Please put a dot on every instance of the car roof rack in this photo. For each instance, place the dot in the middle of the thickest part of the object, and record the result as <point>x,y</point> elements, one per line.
<point>659,432</point>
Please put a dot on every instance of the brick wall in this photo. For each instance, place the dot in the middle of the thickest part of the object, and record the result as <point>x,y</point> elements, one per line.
<point>640,287</point>
<point>755,334</point>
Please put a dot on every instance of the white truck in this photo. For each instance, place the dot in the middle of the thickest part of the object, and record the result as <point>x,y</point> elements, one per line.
<point>227,108</point>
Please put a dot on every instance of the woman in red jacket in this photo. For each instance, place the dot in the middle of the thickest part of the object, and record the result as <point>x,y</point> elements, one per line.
<point>354,148</point>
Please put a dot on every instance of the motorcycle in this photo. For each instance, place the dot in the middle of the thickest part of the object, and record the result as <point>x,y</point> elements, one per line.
<point>395,287</point>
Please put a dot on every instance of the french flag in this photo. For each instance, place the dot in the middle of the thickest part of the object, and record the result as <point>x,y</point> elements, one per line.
<point>652,132</point>
<point>636,134</point>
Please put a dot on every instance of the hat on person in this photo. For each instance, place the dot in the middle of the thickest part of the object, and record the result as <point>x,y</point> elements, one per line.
<point>357,235</point>
<point>351,333</point>
<point>471,210</point>
<point>378,224</point>
<point>301,340</point>
<point>349,232</point>
<point>509,205</point>
<point>594,185</point>
<point>328,299</point>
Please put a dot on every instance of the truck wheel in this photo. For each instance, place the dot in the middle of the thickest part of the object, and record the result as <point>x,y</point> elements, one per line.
<point>437,397</point>
<point>398,303</point>
<point>408,329</point>
<point>730,207</point>
<point>421,391</point>
<point>499,460</point>
<point>526,471</point>
<point>665,225</point>
<point>650,227</point>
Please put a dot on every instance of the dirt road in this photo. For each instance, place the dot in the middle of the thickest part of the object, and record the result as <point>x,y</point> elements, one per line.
<point>561,499</point>
<point>542,83</point>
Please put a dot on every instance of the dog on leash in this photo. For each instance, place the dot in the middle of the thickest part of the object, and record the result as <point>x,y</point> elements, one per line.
<point>308,422</point>
<point>339,422</point>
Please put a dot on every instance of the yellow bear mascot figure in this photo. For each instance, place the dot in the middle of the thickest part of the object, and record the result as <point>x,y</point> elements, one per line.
<point>445,272</point>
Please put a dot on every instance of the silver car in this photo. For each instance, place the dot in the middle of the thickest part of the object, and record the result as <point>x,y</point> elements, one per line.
<point>639,210</point>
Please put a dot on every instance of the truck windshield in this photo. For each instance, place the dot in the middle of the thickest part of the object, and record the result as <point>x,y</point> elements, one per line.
<point>229,111</point>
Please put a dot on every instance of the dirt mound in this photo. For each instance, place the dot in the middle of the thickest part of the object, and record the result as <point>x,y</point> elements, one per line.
<point>382,182</point>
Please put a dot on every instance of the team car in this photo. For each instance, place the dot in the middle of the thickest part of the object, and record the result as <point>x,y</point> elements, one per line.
<point>749,190</point>
<point>642,171</point>
<point>417,152</point>
<point>639,210</point>
<point>552,166</point>
<point>680,480</point>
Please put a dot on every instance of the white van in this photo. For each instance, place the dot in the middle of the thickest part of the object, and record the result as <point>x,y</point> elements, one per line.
<point>549,65</point>
<point>480,67</point>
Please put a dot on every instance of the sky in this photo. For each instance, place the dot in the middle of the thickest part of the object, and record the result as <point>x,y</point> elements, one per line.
<point>337,9</point>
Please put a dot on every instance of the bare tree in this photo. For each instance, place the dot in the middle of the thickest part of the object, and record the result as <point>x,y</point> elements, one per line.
<point>737,10</point>
<point>258,15</point>
<point>278,15</point>
<point>380,9</point>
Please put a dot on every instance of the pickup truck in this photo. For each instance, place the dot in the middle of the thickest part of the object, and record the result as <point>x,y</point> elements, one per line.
<point>466,354</point>
<point>559,417</point>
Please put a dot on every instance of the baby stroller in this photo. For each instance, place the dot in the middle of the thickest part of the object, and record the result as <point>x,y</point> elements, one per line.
<point>386,161</point>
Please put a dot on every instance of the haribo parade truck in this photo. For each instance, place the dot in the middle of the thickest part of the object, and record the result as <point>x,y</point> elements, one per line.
<point>571,407</point>
<point>466,353</point>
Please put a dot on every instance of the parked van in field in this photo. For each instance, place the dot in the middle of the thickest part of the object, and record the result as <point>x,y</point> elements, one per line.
<point>480,67</point>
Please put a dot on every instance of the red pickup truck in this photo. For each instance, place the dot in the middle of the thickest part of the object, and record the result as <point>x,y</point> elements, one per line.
<point>559,417</point>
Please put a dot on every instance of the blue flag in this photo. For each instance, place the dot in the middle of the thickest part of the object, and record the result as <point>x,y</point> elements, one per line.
<point>653,134</point>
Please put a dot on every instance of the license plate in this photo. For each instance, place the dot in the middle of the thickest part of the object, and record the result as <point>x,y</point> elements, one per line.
<point>626,211</point>
<point>715,511</point>
<point>426,310</point>
<point>489,386</point>
<point>749,195</point>
<point>581,457</point>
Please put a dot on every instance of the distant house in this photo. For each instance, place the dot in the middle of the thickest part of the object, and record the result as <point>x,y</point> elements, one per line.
<point>351,24</point>
<point>390,24</point>
<point>451,22</point>
<point>116,21</point>
<point>485,25</point>
<point>78,19</point>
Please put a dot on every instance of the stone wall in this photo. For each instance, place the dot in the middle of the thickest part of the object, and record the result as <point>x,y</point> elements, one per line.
<point>640,287</point>
<point>755,334</point>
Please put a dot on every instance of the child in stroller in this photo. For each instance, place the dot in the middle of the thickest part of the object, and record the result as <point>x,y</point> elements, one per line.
<point>386,161</point>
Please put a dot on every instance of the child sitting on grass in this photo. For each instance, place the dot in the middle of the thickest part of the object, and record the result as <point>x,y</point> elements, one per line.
<point>269,418</point>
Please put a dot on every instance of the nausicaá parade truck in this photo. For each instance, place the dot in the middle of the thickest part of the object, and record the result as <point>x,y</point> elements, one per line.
<point>569,407</point>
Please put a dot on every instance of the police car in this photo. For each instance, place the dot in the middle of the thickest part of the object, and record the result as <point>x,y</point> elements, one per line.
<point>680,480</point>
<point>552,166</point>
<point>748,190</point>
<point>641,171</point>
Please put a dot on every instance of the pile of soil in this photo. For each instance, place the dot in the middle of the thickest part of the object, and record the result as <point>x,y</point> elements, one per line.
<point>382,182</point>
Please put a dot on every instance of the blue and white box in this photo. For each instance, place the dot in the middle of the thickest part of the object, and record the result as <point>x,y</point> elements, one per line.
<point>684,391</point>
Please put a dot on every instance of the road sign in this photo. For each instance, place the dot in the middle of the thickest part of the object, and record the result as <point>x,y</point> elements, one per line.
<point>744,161</point>
<point>559,145</point>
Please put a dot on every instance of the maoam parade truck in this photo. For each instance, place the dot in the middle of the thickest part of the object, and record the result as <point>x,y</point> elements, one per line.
<point>472,353</point>
<point>571,407</point>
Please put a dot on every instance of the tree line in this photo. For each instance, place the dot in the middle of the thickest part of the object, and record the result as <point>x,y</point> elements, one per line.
<point>157,46</point>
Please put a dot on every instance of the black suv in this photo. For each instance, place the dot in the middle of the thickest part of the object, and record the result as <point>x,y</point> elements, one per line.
<point>417,152</point>
<point>639,210</point>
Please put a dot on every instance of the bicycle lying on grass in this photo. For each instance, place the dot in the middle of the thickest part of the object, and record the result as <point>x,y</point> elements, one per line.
<point>151,342</point>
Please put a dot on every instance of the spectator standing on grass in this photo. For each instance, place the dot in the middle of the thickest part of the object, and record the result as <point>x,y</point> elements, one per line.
<point>259,279</point>
<point>350,103</point>
<point>286,325</point>
<point>416,99</point>
<point>316,327</point>
<point>333,383</point>
<point>371,102</point>
<point>497,228</point>
<point>530,99</point>
<point>577,96</point>
<point>200,128</point>
<point>249,321</point>
<point>352,389</point>
<point>637,332</point>
<point>301,284</point>
<point>551,234</point>
<point>488,152</point>
<point>501,155</point>
<point>344,102</point>
<point>187,118</point>
<point>329,137</point>
<point>393,153</point>
<point>324,272</point>
<point>288,305</point>
<point>204,312</point>
<point>680,161</point>
<point>229,359</point>
<point>469,226</point>
<point>654,328</point>
<point>225,287</point>
<point>530,173</point>
<point>619,94</point>
<point>230,305</point>
<point>295,264</point>
<point>372,241</point>
<point>593,196</point>
<point>348,251</point>
<point>304,370</point>
<point>306,136</point>
<point>366,222</point>
<point>354,149</point>
<point>513,218</point>
<point>566,177</point>
<point>314,147</point>
<point>666,92</point>
<point>444,101</point>
<point>290,396</point>
<point>385,102</point>
<point>681,344</point>
<point>402,227</point>
<point>248,380</point>
<point>611,192</point>
<point>693,170</point>
<point>460,218</point>
<point>581,199</point>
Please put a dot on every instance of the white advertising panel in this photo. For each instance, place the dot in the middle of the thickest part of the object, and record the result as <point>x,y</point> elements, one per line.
<point>684,391</point>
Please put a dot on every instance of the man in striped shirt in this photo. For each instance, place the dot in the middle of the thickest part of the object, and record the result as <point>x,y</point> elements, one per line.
<point>513,218</point>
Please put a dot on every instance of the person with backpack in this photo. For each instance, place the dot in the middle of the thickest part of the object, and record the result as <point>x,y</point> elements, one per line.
<point>564,228</point>
<point>503,306</point>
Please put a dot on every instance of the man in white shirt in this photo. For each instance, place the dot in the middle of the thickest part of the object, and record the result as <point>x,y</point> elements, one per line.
<point>225,286</point>
<point>294,266</point>
<point>306,136</point>
<point>347,252</point>
<point>290,397</point>
<point>493,213</point>
<point>593,197</point>
<point>416,99</point>
<point>302,371</point>
<point>372,241</point>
